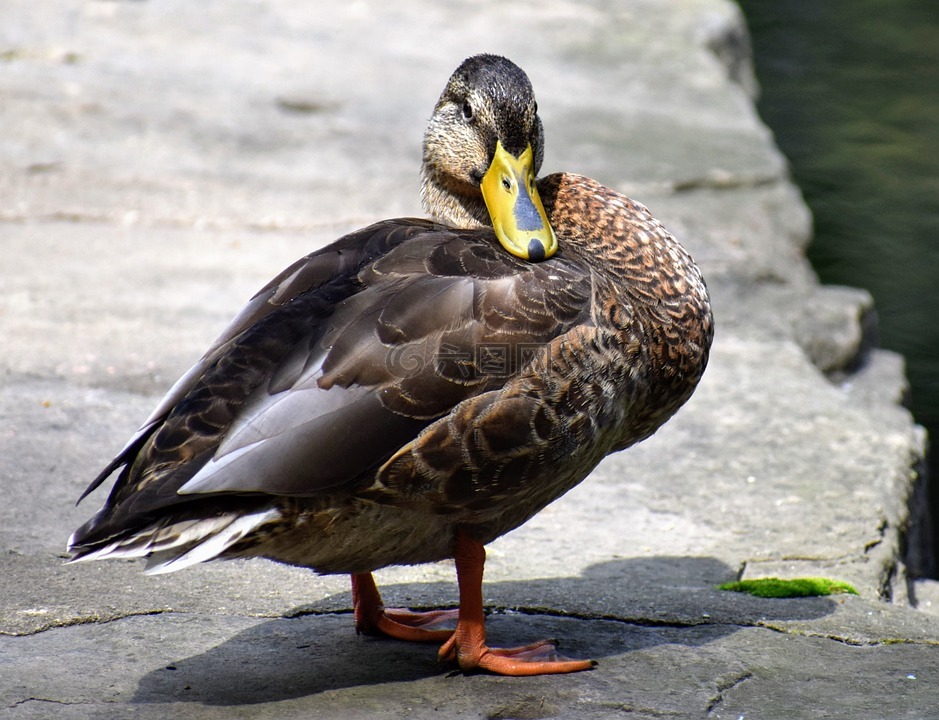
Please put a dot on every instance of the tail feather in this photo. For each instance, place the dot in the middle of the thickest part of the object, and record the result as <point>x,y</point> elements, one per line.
<point>180,544</point>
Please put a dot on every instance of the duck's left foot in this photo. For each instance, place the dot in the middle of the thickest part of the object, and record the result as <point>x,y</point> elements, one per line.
<point>373,618</point>
<point>540,658</point>
<point>468,644</point>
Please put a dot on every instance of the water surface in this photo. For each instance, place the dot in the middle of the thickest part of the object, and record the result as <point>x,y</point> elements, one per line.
<point>851,90</point>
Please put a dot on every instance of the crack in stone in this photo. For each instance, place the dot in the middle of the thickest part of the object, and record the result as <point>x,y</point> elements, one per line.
<point>852,642</point>
<point>86,620</point>
<point>638,621</point>
<point>639,711</point>
<point>724,687</point>
<point>536,610</point>
<point>30,699</point>
<point>679,624</point>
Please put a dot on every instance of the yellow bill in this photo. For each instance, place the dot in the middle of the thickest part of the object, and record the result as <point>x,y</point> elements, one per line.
<point>518,217</point>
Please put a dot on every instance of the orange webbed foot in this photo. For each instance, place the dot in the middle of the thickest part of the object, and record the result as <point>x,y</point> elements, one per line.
<point>540,658</point>
<point>468,644</point>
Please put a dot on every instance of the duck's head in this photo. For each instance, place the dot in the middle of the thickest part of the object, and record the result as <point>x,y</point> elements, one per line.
<point>482,152</point>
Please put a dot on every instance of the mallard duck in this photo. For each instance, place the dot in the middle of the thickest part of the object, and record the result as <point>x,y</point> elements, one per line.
<point>420,387</point>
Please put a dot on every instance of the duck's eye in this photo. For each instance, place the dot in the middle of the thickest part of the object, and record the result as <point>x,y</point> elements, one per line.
<point>506,183</point>
<point>536,107</point>
<point>467,111</point>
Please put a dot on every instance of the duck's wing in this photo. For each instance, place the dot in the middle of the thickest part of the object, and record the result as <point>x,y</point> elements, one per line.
<point>342,259</point>
<point>315,387</point>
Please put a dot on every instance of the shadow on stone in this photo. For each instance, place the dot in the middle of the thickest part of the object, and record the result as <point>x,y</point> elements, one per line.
<point>613,609</point>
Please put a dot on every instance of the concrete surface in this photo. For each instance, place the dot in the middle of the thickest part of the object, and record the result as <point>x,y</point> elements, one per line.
<point>162,159</point>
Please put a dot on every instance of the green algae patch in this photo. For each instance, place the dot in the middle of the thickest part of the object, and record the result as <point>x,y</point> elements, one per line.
<point>796,587</point>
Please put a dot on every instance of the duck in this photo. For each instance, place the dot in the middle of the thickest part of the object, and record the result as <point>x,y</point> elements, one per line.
<point>420,387</point>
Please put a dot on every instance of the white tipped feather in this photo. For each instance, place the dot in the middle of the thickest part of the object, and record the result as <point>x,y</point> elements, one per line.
<point>196,540</point>
<point>214,545</point>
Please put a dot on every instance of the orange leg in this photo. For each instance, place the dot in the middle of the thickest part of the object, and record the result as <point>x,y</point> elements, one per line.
<point>373,618</point>
<point>468,644</point>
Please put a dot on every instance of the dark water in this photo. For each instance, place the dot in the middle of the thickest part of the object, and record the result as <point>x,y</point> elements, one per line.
<point>851,90</point>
